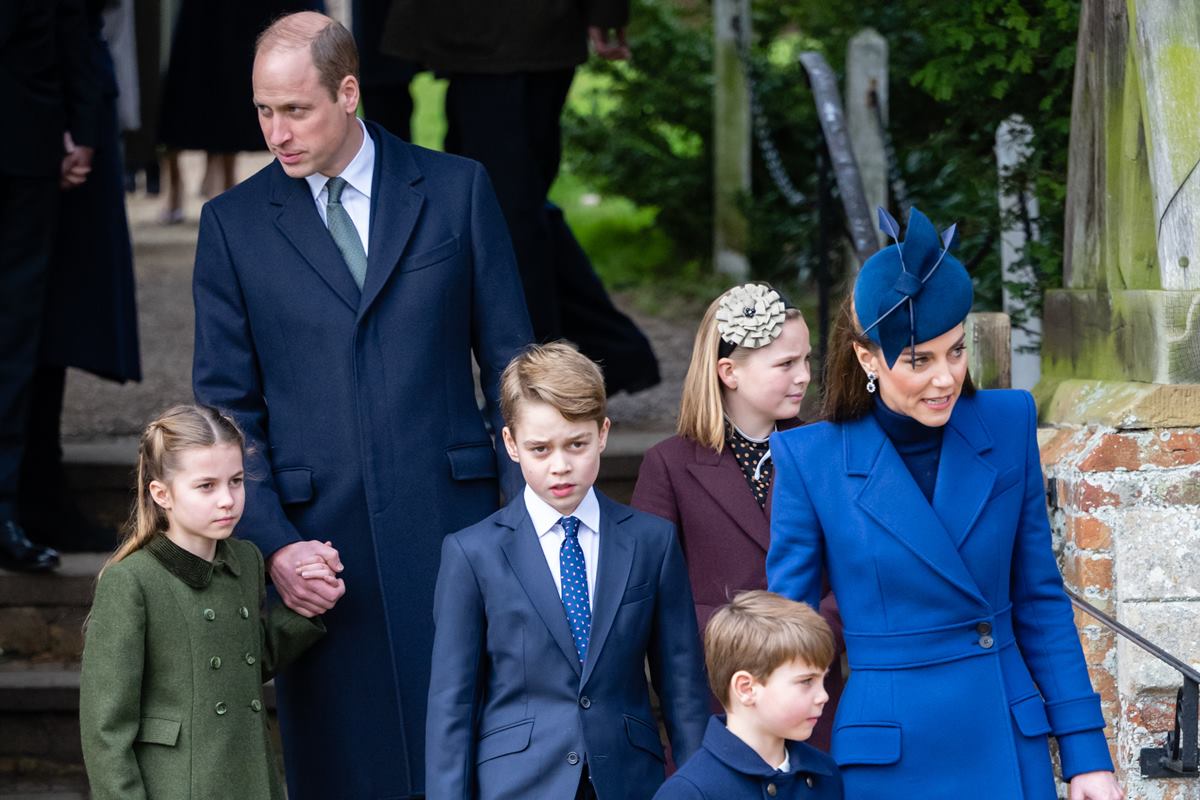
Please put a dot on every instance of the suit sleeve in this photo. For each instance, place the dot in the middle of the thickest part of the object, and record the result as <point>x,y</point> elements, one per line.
<point>797,551</point>
<point>225,374</point>
<point>455,685</point>
<point>285,635</point>
<point>499,320</point>
<point>110,687</point>
<point>1045,627</point>
<point>676,659</point>
<point>653,492</point>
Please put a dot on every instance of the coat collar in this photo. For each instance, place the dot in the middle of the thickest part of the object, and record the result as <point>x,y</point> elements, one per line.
<point>190,568</point>
<point>740,757</point>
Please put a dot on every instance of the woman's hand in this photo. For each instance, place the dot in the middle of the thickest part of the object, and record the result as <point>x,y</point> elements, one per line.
<point>1095,786</point>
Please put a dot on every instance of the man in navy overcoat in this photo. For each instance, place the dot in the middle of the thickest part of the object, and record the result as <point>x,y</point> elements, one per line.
<point>358,401</point>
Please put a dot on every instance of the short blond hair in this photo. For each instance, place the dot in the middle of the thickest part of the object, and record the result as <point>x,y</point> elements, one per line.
<point>558,375</point>
<point>759,632</point>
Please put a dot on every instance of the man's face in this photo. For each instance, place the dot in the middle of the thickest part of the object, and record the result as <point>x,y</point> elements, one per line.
<point>559,458</point>
<point>306,129</point>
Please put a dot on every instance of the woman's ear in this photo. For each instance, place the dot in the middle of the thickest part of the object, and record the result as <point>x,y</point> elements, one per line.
<point>160,494</point>
<point>866,359</point>
<point>725,373</point>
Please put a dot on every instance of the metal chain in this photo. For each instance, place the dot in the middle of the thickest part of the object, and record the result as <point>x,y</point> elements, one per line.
<point>762,130</point>
<point>895,179</point>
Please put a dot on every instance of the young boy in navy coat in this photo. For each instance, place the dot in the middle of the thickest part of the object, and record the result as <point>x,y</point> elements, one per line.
<point>767,658</point>
<point>547,611</point>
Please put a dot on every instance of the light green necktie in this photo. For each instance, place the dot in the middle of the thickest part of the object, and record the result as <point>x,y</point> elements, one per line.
<point>344,234</point>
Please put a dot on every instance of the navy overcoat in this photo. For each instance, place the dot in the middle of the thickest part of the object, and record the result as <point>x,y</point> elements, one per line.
<point>361,413</point>
<point>962,646</point>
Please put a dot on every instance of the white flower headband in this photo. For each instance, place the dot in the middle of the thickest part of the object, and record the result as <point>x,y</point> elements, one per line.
<point>750,315</point>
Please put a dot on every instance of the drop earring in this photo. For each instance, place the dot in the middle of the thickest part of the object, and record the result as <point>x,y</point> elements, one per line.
<point>871,376</point>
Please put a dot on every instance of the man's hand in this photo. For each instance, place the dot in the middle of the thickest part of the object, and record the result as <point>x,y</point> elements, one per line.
<point>308,598</point>
<point>1095,786</point>
<point>605,46</point>
<point>76,164</point>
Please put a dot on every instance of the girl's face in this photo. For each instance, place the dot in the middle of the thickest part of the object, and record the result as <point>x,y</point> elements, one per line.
<point>928,389</point>
<point>204,498</point>
<point>769,382</point>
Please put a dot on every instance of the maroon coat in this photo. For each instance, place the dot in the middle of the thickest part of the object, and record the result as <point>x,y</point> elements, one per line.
<point>724,535</point>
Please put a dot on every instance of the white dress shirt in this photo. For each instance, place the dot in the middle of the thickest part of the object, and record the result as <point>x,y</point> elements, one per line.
<point>356,196</point>
<point>551,535</point>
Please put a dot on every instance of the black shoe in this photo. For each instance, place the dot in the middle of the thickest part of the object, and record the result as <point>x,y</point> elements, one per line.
<point>19,554</point>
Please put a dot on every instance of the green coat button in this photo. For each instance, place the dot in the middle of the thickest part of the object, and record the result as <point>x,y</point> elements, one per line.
<point>257,706</point>
<point>245,612</point>
<point>221,709</point>
<point>215,662</point>
<point>249,658</point>
<point>209,614</point>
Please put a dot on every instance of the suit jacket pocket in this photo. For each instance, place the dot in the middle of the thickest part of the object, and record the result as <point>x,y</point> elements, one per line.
<point>434,255</point>
<point>1030,715</point>
<point>636,593</point>
<point>472,461</point>
<point>502,741</point>
<point>867,743</point>
<point>643,735</point>
<point>294,484</point>
<point>156,730</point>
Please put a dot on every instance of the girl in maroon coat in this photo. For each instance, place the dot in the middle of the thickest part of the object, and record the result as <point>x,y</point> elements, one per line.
<point>747,377</point>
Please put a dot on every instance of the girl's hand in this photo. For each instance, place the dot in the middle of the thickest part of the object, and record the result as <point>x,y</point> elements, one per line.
<point>317,568</point>
<point>1095,786</point>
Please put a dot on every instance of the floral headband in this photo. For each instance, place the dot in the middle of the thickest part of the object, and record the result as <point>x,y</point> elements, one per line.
<point>750,315</point>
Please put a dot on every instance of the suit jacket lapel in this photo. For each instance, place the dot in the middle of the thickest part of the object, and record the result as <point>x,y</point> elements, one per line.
<point>395,206</point>
<point>528,561</point>
<point>301,225</point>
<point>965,479</point>
<point>617,547</point>
<point>722,478</point>
<point>892,498</point>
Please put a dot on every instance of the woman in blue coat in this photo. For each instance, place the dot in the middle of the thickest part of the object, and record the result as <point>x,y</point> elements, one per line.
<point>923,499</point>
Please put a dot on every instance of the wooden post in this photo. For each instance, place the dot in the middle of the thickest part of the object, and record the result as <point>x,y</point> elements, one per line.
<point>867,88</point>
<point>1014,140</point>
<point>731,138</point>
<point>989,349</point>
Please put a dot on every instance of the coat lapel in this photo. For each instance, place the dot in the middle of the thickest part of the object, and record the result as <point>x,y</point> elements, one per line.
<point>892,498</point>
<point>965,479</point>
<point>617,547</point>
<point>301,225</point>
<point>722,478</point>
<point>528,562</point>
<point>395,206</point>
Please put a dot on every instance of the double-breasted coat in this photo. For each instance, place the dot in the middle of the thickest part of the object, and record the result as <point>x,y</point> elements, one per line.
<point>170,697</point>
<point>962,646</point>
<point>360,410</point>
<point>724,534</point>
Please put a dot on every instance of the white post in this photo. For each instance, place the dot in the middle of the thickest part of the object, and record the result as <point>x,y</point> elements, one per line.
<point>866,85</point>
<point>1013,147</point>
<point>731,138</point>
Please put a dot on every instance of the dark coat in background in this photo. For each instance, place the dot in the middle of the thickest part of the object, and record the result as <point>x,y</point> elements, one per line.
<point>360,410</point>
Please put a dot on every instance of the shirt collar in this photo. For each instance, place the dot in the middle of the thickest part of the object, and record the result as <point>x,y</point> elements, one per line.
<point>544,517</point>
<point>189,567</point>
<point>358,173</point>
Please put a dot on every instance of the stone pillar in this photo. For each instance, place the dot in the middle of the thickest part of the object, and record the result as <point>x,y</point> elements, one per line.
<point>731,139</point>
<point>867,90</point>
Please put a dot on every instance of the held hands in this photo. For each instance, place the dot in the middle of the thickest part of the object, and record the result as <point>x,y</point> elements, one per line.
<point>605,47</point>
<point>1095,786</point>
<point>305,573</point>
<point>76,164</point>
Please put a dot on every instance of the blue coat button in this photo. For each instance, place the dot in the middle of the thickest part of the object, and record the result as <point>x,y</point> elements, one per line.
<point>572,758</point>
<point>986,642</point>
<point>585,702</point>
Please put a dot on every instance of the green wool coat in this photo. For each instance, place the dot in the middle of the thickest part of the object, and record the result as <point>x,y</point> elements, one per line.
<point>176,653</point>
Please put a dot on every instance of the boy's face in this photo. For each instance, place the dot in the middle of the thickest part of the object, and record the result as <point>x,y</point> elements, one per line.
<point>789,702</point>
<point>559,459</point>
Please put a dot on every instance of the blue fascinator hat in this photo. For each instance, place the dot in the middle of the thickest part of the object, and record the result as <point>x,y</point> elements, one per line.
<point>911,291</point>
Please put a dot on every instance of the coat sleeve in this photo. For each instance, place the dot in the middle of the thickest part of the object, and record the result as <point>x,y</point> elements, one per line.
<point>797,552</point>
<point>225,374</point>
<point>653,492</point>
<point>284,634</point>
<point>455,685</point>
<point>499,319</point>
<point>1045,627</point>
<point>676,659</point>
<point>110,687</point>
<point>607,13</point>
<point>81,80</point>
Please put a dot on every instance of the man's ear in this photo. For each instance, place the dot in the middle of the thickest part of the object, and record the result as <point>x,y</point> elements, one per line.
<point>604,428</point>
<point>349,94</point>
<point>510,444</point>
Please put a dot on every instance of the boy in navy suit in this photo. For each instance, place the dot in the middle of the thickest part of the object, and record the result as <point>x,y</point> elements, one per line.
<point>767,657</point>
<point>547,611</point>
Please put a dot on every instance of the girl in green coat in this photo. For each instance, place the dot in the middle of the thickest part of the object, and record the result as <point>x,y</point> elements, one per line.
<point>180,641</point>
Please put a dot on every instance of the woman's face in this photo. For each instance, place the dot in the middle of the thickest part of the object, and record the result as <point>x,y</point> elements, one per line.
<point>924,384</point>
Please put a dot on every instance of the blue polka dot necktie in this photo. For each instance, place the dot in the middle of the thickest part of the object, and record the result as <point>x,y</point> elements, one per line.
<point>575,601</point>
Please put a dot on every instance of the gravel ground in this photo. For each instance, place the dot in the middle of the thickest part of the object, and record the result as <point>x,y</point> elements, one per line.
<point>97,409</point>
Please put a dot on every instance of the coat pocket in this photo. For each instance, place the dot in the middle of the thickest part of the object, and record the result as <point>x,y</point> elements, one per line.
<point>643,735</point>
<point>867,743</point>
<point>434,255</point>
<point>1030,715</point>
<point>504,740</point>
<point>294,484</point>
<point>156,730</point>
<point>470,462</point>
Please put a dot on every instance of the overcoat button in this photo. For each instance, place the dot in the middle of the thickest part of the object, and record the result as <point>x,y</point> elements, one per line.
<point>209,614</point>
<point>257,706</point>
<point>585,702</point>
<point>771,790</point>
<point>983,628</point>
<point>986,642</point>
<point>249,658</point>
<point>245,612</point>
<point>572,758</point>
<point>220,707</point>
<point>215,662</point>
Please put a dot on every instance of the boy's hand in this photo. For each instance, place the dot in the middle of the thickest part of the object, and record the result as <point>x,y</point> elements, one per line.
<point>308,598</point>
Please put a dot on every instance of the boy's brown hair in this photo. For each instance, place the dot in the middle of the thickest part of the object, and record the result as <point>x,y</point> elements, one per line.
<point>556,374</point>
<point>759,632</point>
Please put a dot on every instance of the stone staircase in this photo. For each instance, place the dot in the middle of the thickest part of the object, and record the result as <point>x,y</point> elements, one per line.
<point>41,620</point>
